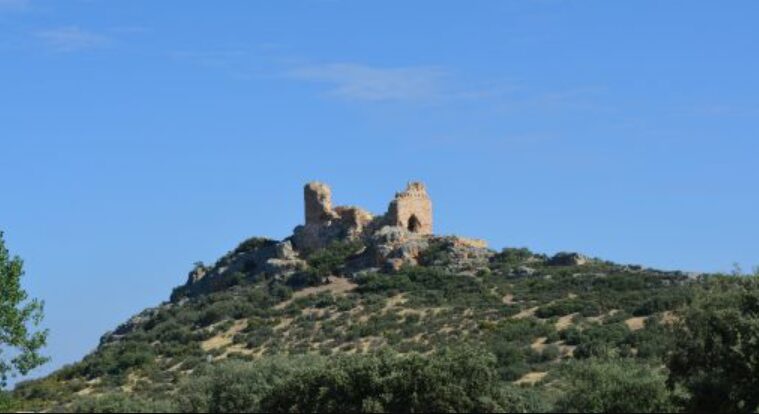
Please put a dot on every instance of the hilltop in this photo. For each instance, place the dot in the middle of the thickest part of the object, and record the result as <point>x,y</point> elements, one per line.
<point>348,282</point>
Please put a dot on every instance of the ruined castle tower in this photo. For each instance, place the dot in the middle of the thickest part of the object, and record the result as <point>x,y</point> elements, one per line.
<point>411,209</point>
<point>318,203</point>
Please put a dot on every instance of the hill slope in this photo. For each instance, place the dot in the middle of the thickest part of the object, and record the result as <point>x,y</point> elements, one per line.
<point>264,301</point>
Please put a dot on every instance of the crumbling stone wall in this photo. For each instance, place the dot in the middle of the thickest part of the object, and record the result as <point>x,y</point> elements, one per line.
<point>411,209</point>
<point>318,202</point>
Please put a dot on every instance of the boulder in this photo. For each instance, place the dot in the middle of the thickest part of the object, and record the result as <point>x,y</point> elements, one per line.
<point>567,259</point>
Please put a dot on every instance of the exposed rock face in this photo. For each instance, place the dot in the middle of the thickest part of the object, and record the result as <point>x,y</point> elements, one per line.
<point>265,257</point>
<point>285,260</point>
<point>393,247</point>
<point>196,274</point>
<point>568,259</point>
<point>133,323</point>
<point>524,271</point>
<point>459,254</point>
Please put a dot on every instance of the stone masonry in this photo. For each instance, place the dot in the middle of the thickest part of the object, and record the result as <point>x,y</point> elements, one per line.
<point>410,210</point>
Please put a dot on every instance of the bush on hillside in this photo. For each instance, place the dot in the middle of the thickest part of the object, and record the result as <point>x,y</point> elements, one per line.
<point>451,381</point>
<point>715,355</point>
<point>613,386</point>
<point>120,403</point>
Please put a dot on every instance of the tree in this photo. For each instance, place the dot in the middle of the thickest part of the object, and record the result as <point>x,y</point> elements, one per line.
<point>716,353</point>
<point>613,386</point>
<point>18,316</point>
<point>462,380</point>
<point>237,387</point>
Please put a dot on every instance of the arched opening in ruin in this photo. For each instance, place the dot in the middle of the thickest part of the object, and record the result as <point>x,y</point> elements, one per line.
<point>413,224</point>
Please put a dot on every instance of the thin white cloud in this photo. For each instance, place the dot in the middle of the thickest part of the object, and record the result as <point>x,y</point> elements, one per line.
<point>11,5</point>
<point>366,83</point>
<point>71,39</point>
<point>213,58</point>
<point>719,110</point>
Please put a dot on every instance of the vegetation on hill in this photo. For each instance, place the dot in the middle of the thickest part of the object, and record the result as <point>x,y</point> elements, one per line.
<point>19,342</point>
<point>523,333</point>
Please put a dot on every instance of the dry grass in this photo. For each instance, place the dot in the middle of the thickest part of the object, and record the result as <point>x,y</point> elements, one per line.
<point>225,338</point>
<point>85,391</point>
<point>525,313</point>
<point>636,323</point>
<point>531,378</point>
<point>669,318</point>
<point>566,350</point>
<point>565,321</point>
<point>336,285</point>
<point>394,301</point>
<point>539,344</point>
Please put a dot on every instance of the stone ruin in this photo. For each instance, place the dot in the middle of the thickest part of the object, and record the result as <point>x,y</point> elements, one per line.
<point>397,238</point>
<point>394,239</point>
<point>410,210</point>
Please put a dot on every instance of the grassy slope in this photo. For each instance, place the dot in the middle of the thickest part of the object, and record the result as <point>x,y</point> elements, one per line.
<point>532,322</point>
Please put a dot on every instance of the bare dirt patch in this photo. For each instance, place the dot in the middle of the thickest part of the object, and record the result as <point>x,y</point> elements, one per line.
<point>539,344</point>
<point>225,338</point>
<point>336,285</point>
<point>636,323</point>
<point>525,313</point>
<point>394,301</point>
<point>669,318</point>
<point>565,321</point>
<point>531,378</point>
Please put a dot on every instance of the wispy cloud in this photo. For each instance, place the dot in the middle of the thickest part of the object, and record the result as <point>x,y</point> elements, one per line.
<point>368,83</point>
<point>719,110</point>
<point>10,5</point>
<point>71,39</point>
<point>213,58</point>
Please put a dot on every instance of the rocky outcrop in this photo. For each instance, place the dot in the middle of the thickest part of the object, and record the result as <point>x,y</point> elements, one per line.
<point>197,273</point>
<point>567,259</point>
<point>132,324</point>
<point>458,254</point>
<point>392,247</point>
<point>277,259</point>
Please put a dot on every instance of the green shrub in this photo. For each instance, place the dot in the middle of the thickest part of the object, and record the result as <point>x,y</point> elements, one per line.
<point>328,261</point>
<point>512,256</point>
<point>304,279</point>
<point>119,403</point>
<point>569,306</point>
<point>613,386</point>
<point>453,381</point>
<point>663,301</point>
<point>253,243</point>
<point>510,360</point>
<point>7,403</point>
<point>715,355</point>
<point>236,386</point>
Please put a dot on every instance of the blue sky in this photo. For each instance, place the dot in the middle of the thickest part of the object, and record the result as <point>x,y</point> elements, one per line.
<point>138,137</point>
